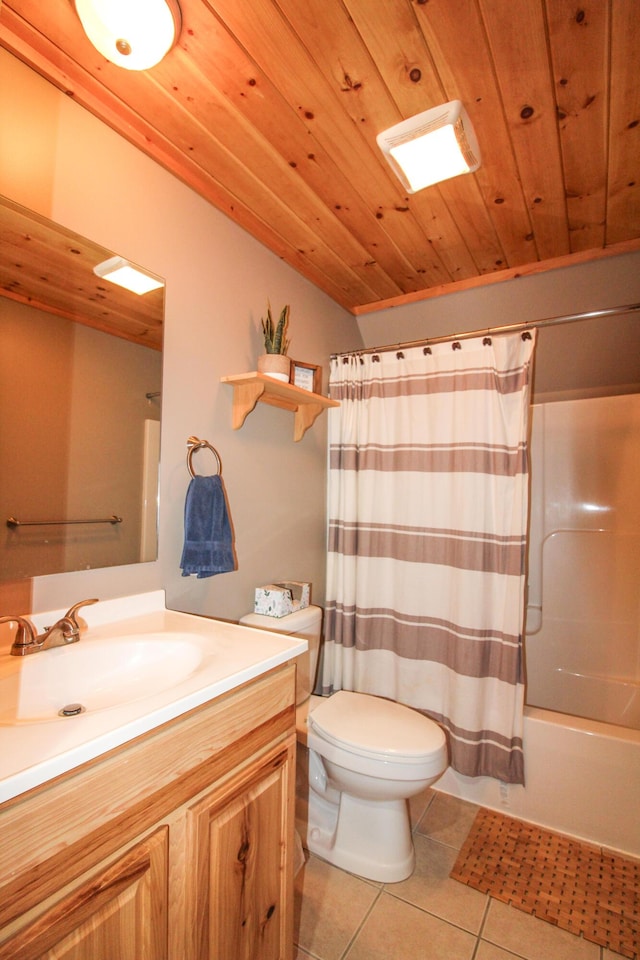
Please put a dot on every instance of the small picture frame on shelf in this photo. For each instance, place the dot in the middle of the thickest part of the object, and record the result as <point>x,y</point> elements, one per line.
<point>308,376</point>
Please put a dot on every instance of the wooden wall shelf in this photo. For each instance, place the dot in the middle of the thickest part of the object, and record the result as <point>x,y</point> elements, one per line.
<point>251,388</point>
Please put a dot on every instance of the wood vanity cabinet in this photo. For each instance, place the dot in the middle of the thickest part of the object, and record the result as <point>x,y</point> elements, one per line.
<point>176,846</point>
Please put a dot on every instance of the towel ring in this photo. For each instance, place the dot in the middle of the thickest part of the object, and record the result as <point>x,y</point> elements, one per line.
<point>194,444</point>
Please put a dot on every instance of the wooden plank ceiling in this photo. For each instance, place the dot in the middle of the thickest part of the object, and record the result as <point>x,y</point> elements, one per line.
<point>270,110</point>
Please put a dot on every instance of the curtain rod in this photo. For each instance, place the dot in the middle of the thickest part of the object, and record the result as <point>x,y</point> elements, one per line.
<point>487,331</point>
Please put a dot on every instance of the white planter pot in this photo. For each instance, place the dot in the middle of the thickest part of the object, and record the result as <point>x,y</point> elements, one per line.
<point>275,365</point>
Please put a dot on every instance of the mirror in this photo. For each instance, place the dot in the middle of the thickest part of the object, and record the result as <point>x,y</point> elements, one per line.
<point>80,400</point>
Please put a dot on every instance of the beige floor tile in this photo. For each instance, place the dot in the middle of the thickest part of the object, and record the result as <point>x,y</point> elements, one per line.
<point>301,954</point>
<point>448,819</point>
<point>534,939</point>
<point>489,951</point>
<point>431,888</point>
<point>418,806</point>
<point>330,906</point>
<point>394,930</point>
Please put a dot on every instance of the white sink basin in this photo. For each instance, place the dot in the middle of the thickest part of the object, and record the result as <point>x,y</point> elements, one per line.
<point>136,666</point>
<point>94,675</point>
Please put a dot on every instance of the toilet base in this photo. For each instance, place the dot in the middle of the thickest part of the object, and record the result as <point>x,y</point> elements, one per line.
<point>369,838</point>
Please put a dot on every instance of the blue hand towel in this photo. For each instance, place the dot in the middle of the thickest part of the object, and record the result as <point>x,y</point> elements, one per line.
<point>208,544</point>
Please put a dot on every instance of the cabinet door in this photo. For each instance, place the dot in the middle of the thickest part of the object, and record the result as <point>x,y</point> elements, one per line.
<point>241,843</point>
<point>118,914</point>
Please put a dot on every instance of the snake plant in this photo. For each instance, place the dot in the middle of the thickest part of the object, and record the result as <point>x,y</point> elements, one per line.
<point>275,339</point>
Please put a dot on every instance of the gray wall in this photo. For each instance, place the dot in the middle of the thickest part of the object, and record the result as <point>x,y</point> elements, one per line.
<point>585,357</point>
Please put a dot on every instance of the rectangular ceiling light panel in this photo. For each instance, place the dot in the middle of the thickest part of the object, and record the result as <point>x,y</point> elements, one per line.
<point>432,146</point>
<point>125,274</point>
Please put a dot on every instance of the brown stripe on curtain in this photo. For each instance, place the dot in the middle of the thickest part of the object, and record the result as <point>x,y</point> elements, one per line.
<point>473,653</point>
<point>505,382</point>
<point>436,458</point>
<point>480,750</point>
<point>464,549</point>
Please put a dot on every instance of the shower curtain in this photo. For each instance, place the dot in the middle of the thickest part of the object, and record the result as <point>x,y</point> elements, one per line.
<point>428,500</point>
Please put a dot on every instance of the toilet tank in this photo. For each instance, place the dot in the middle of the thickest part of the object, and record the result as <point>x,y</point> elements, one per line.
<point>306,624</point>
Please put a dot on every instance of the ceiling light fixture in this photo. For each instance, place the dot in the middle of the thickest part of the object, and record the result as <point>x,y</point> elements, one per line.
<point>432,146</point>
<point>124,274</point>
<point>135,34</point>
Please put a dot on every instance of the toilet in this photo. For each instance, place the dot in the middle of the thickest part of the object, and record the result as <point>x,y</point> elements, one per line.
<point>366,757</point>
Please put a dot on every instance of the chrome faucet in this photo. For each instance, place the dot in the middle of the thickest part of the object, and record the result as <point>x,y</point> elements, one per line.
<point>27,640</point>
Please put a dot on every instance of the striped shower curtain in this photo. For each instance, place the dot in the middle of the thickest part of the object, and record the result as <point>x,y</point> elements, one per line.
<point>428,500</point>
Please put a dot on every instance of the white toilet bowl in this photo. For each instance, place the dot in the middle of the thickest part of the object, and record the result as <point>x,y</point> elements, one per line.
<point>366,757</point>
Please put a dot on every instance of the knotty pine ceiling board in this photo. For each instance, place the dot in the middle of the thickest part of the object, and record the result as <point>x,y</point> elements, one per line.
<point>270,110</point>
<point>462,59</point>
<point>470,245</point>
<point>623,186</point>
<point>580,58</point>
<point>518,45</point>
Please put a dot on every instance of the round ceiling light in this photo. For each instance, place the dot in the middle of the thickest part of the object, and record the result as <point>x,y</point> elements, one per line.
<point>134,34</point>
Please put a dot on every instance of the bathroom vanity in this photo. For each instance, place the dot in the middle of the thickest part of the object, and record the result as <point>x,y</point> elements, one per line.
<point>174,844</point>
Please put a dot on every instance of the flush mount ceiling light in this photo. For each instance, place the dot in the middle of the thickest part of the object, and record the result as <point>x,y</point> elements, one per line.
<point>135,34</point>
<point>125,274</point>
<point>432,146</point>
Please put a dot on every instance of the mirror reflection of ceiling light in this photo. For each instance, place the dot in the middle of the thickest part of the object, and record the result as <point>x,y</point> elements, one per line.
<point>135,34</point>
<point>432,146</point>
<point>127,275</point>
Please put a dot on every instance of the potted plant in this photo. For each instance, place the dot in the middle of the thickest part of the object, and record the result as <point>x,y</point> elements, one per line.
<point>274,362</point>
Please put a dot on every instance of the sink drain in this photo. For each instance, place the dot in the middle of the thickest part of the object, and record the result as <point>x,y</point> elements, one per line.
<point>71,710</point>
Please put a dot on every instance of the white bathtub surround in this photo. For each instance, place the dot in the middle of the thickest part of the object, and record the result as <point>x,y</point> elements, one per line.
<point>583,620</point>
<point>428,503</point>
<point>34,749</point>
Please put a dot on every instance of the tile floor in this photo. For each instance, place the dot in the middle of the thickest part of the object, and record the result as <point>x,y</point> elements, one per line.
<point>428,917</point>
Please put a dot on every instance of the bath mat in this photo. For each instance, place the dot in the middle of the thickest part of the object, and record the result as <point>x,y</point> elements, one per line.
<point>576,886</point>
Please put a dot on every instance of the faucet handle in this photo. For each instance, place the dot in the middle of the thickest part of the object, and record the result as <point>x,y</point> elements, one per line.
<point>71,612</point>
<point>26,632</point>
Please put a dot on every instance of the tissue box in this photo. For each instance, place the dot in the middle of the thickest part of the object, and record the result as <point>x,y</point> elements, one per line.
<point>281,599</point>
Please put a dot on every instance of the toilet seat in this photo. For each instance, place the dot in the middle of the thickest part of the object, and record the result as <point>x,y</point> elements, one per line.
<point>374,729</point>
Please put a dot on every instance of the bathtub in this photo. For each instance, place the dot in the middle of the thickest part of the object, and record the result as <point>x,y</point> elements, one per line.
<point>582,779</point>
<point>611,700</point>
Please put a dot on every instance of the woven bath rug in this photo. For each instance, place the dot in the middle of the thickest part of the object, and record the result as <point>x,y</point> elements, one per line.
<point>576,886</point>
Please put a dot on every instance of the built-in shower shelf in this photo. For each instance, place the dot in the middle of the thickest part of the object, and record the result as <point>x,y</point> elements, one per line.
<point>252,388</point>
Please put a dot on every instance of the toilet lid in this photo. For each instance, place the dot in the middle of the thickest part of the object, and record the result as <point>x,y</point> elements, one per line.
<point>376,727</point>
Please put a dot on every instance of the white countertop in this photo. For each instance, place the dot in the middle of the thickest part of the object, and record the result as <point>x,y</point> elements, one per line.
<point>33,752</point>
